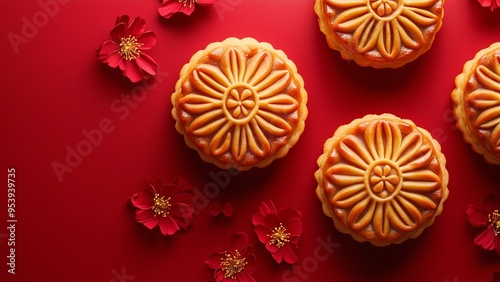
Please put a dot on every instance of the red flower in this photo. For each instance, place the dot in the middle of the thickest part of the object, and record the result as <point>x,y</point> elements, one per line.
<point>235,263</point>
<point>218,208</point>
<point>170,7</point>
<point>126,49</point>
<point>279,230</point>
<point>169,206</point>
<point>493,4</point>
<point>488,217</point>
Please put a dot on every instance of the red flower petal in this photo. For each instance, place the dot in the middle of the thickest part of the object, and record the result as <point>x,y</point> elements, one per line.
<point>251,266</point>
<point>207,2</point>
<point>136,27</point>
<point>476,216</point>
<point>486,239</point>
<point>168,225</point>
<point>170,7</point>
<point>114,59</point>
<point>182,198</point>
<point>217,208</point>
<point>227,209</point>
<point>289,255</point>
<point>181,185</point>
<point>273,248</point>
<point>148,39</point>
<point>143,199</point>
<point>213,260</point>
<point>295,229</point>
<point>146,63</point>
<point>288,214</point>
<point>147,218</point>
<point>239,241</point>
<point>262,231</point>
<point>122,19</point>
<point>265,208</point>
<point>132,71</point>
<point>493,4</point>
<point>118,32</point>
<point>271,221</point>
<point>244,276</point>
<point>277,256</point>
<point>106,48</point>
<point>219,276</point>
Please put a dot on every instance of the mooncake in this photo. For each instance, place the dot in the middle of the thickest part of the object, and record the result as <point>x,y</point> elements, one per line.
<point>382,179</point>
<point>240,103</point>
<point>380,33</point>
<point>476,103</point>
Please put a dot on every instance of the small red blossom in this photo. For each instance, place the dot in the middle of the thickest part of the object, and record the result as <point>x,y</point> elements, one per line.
<point>169,206</point>
<point>493,4</point>
<point>279,230</point>
<point>217,208</point>
<point>170,7</point>
<point>489,218</point>
<point>126,49</point>
<point>236,263</point>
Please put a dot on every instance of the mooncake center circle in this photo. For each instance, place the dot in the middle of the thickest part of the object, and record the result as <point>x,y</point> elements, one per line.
<point>383,180</point>
<point>240,103</point>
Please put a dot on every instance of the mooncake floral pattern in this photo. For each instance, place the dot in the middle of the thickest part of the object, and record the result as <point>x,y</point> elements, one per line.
<point>385,26</point>
<point>384,179</point>
<point>241,105</point>
<point>486,100</point>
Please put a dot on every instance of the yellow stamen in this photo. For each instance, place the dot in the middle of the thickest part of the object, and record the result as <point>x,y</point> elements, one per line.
<point>190,2</point>
<point>494,220</point>
<point>279,236</point>
<point>161,205</point>
<point>129,48</point>
<point>232,265</point>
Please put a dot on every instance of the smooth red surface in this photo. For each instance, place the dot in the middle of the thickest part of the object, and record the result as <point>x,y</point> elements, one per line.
<point>80,228</point>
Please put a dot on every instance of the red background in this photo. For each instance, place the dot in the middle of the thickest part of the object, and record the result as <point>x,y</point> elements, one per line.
<point>80,228</point>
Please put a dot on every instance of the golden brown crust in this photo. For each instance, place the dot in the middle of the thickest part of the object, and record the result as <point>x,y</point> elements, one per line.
<point>476,100</point>
<point>380,33</point>
<point>240,103</point>
<point>382,179</point>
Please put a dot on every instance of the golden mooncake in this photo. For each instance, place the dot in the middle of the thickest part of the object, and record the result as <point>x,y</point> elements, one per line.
<point>240,103</point>
<point>380,33</point>
<point>476,102</point>
<point>382,179</point>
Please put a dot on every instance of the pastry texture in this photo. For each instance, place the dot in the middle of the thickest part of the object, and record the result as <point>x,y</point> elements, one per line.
<point>382,179</point>
<point>380,33</point>
<point>240,103</point>
<point>476,100</point>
